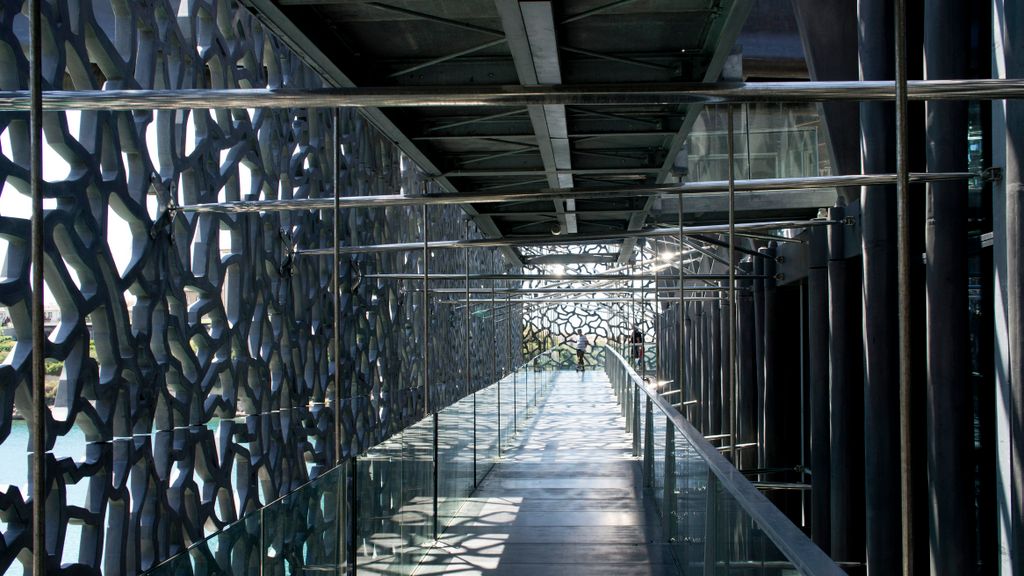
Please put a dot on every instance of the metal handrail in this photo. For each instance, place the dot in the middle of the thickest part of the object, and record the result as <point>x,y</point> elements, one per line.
<point>515,95</point>
<point>790,540</point>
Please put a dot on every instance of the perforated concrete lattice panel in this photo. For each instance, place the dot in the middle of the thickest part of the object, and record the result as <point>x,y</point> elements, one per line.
<point>549,324</point>
<point>197,366</point>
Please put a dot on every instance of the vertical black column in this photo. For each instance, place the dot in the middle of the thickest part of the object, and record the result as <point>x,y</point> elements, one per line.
<point>698,364</point>
<point>817,349</point>
<point>880,317</point>
<point>1013,46</point>
<point>759,337</point>
<point>847,480</point>
<point>675,370</point>
<point>718,397</point>
<point>702,364</point>
<point>723,363</point>
<point>693,391</point>
<point>950,401</point>
<point>746,378</point>
<point>773,397</point>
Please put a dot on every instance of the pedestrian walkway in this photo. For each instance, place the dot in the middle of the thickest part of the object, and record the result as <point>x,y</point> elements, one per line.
<point>567,500</point>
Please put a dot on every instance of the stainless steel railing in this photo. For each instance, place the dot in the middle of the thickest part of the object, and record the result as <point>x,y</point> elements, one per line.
<point>713,517</point>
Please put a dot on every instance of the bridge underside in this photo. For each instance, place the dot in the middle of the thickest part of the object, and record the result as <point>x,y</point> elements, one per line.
<point>297,285</point>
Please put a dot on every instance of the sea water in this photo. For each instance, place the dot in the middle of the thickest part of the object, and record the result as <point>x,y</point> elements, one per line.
<point>16,468</point>
<point>14,453</point>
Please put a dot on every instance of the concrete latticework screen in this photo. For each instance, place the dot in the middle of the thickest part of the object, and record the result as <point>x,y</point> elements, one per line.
<point>191,357</point>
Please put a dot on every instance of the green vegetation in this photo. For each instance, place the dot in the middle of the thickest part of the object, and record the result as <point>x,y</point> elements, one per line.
<point>52,368</point>
<point>536,341</point>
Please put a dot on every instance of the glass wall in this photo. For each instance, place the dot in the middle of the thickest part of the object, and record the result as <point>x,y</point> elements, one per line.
<point>301,532</point>
<point>399,506</point>
<point>771,140</point>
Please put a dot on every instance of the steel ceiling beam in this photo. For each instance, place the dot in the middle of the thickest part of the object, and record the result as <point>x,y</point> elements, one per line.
<point>497,155</point>
<point>476,120</point>
<point>612,116</point>
<point>288,33</point>
<point>619,59</point>
<point>511,184</point>
<point>725,40</point>
<point>596,10</point>
<point>530,30</point>
<point>433,18</point>
<point>447,57</point>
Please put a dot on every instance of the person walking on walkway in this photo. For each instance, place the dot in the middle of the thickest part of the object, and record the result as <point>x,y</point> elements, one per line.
<point>581,347</point>
<point>638,345</point>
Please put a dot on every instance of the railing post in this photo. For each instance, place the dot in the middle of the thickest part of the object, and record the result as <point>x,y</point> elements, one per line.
<point>511,361</point>
<point>494,361</point>
<point>526,389</point>
<point>341,518</point>
<point>437,465</point>
<point>352,541</point>
<point>711,525</point>
<point>670,518</point>
<point>263,541</point>
<point>426,312</point>
<point>649,444</point>
<point>335,273</point>
<point>469,363</point>
<point>636,422</point>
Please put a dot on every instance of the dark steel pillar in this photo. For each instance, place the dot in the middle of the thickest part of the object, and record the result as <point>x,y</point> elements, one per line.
<point>715,369</point>
<point>950,401</point>
<point>681,268</point>
<point>772,396</point>
<point>817,343</point>
<point>828,29</point>
<point>702,365</point>
<point>847,480</point>
<point>880,314</point>
<point>727,387</point>
<point>673,350</point>
<point>709,391</point>
<point>698,364</point>
<point>692,410</point>
<point>746,386</point>
<point>731,149</point>
<point>759,339</point>
<point>1013,45</point>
